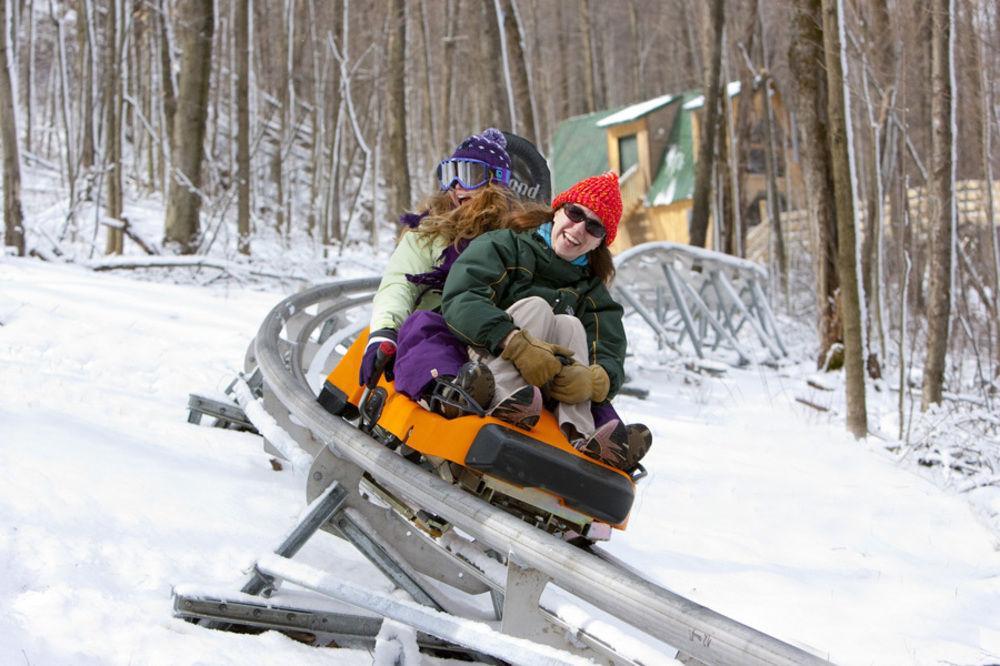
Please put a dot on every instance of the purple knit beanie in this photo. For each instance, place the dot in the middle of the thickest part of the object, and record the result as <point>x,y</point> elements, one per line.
<point>489,147</point>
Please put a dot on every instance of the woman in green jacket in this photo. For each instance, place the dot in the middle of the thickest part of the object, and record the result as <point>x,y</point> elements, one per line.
<point>535,306</point>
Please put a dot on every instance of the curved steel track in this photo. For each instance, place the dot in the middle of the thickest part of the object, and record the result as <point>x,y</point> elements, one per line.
<point>281,349</point>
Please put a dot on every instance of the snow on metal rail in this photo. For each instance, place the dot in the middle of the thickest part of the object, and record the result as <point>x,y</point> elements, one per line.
<point>693,629</point>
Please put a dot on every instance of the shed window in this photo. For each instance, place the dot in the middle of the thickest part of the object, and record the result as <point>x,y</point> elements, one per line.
<point>628,152</point>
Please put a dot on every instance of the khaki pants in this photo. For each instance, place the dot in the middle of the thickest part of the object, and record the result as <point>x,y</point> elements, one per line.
<point>535,316</point>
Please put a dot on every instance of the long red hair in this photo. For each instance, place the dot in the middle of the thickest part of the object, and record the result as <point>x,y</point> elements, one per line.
<point>491,207</point>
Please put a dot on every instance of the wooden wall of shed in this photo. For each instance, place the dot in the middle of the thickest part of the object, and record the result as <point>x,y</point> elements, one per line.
<point>615,132</point>
<point>671,223</point>
<point>659,223</point>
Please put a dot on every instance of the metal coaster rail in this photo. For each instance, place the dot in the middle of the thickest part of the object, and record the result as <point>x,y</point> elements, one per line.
<point>695,630</point>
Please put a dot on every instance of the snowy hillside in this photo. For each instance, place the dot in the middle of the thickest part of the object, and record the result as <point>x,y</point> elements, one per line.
<point>756,506</point>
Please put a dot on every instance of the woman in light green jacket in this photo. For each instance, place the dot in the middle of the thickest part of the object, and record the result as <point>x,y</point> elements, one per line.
<point>474,199</point>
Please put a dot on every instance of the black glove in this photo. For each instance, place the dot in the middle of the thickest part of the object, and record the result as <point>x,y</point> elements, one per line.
<point>375,340</point>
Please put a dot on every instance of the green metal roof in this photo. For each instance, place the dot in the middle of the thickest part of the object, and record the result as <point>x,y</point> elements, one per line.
<point>674,180</point>
<point>579,150</point>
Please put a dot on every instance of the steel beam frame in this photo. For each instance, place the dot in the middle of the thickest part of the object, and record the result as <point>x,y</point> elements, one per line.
<point>709,295</point>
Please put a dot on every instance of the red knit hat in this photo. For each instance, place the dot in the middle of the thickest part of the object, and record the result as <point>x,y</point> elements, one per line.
<point>600,194</point>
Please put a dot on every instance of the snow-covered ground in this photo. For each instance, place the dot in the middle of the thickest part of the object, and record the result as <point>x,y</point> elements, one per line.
<point>757,506</point>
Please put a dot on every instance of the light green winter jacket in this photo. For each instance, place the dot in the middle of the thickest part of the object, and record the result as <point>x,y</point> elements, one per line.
<point>397,297</point>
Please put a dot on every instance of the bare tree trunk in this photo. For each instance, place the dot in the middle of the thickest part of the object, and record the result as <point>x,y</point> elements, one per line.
<point>241,25</point>
<point>85,53</point>
<point>288,122</point>
<point>872,245</point>
<point>13,217</point>
<point>284,108</point>
<point>540,68</point>
<point>505,76</point>
<point>743,124</point>
<point>166,71</point>
<point>138,80</point>
<point>112,125</point>
<point>431,115</point>
<point>184,201</point>
<point>215,92</point>
<point>688,14</point>
<point>941,202</point>
<point>526,126</point>
<point>733,242</point>
<point>564,103</point>
<point>843,183</point>
<point>636,51</point>
<point>885,151</point>
<point>806,59</point>
<point>64,95</point>
<point>376,173</point>
<point>395,104</point>
<point>771,171</point>
<point>331,206</point>
<point>598,57</point>
<point>986,85</point>
<point>29,79</point>
<point>317,118</point>
<point>496,101</point>
<point>589,85</point>
<point>450,38</point>
<point>709,127</point>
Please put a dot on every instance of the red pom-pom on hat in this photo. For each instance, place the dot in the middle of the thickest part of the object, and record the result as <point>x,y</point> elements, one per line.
<point>600,194</point>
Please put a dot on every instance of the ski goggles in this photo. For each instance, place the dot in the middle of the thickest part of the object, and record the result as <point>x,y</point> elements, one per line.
<point>470,174</point>
<point>594,226</point>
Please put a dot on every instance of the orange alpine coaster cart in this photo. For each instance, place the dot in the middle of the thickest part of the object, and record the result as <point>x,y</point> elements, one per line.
<point>534,474</point>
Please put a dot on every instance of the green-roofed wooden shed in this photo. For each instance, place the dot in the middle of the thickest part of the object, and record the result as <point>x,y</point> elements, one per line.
<point>652,146</point>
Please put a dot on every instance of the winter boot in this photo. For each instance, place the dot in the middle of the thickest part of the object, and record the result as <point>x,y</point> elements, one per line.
<point>638,441</point>
<point>467,393</point>
<point>522,408</point>
<point>608,444</point>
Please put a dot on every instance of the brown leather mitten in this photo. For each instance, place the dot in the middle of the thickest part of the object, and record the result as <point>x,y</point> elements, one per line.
<point>601,383</point>
<point>572,385</point>
<point>535,359</point>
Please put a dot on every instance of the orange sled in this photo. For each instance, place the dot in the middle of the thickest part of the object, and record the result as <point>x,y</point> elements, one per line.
<point>535,474</point>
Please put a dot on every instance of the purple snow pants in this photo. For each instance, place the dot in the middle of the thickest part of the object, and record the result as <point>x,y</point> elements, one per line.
<point>426,344</point>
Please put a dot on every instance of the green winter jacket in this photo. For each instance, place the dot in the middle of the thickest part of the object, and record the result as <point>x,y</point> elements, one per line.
<point>397,297</point>
<point>502,267</point>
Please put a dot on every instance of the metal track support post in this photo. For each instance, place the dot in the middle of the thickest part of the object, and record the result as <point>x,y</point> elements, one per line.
<point>520,604</point>
<point>767,315</point>
<point>674,283</point>
<point>378,553</point>
<point>661,333</point>
<point>720,330</point>
<point>765,339</point>
<point>322,509</point>
<point>720,300</point>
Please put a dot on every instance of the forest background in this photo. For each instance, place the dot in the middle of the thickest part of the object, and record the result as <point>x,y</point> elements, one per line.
<point>314,124</point>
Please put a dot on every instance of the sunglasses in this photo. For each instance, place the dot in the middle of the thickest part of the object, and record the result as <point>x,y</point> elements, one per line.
<point>470,174</point>
<point>594,226</point>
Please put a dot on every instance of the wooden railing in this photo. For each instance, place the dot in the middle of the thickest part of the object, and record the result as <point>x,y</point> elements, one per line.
<point>970,196</point>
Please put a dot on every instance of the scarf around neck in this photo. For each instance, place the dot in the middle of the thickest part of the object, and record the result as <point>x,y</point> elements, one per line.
<point>545,231</point>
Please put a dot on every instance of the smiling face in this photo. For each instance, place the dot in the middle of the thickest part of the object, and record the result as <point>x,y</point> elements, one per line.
<point>570,240</point>
<point>459,195</point>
